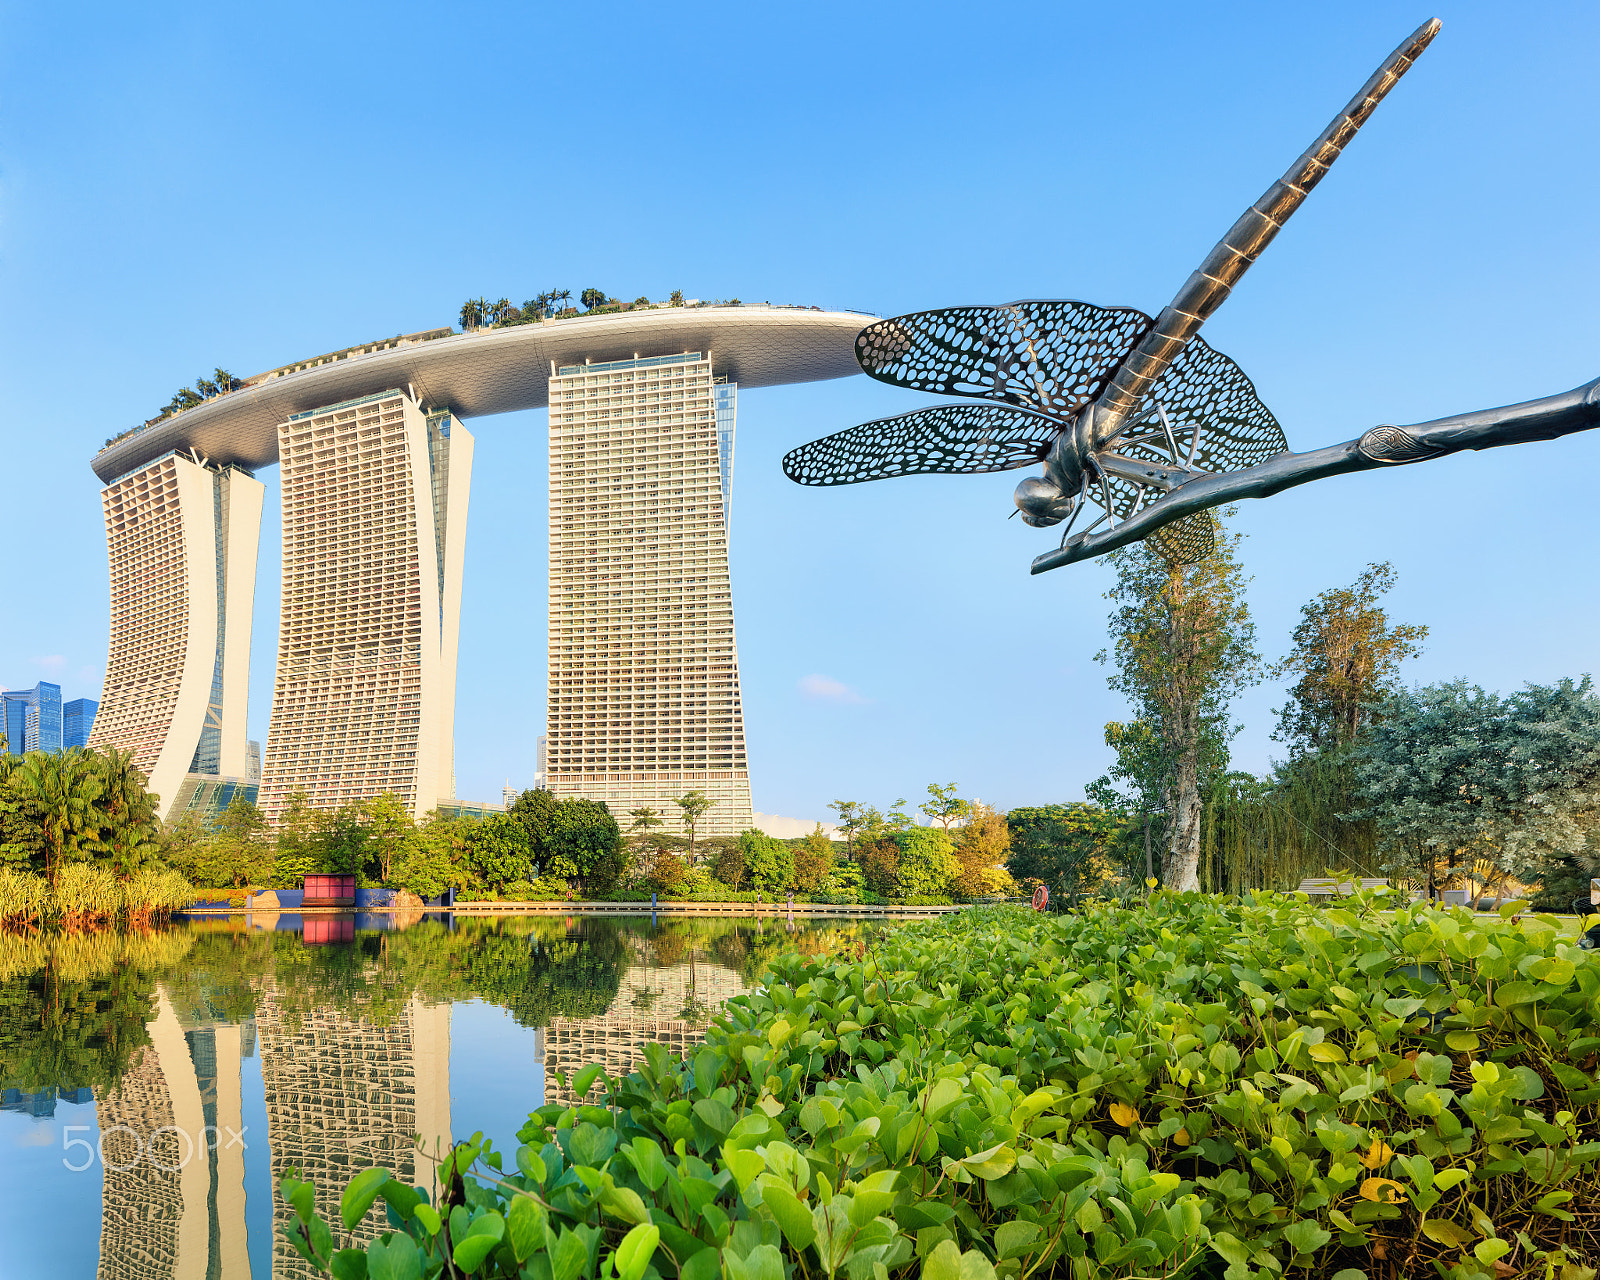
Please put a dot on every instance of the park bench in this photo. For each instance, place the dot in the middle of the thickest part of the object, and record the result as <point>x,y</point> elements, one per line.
<point>1321,887</point>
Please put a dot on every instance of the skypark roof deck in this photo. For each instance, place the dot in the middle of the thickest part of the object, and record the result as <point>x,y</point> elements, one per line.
<point>488,371</point>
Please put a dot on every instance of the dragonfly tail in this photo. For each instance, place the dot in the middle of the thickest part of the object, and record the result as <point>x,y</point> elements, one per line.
<point>1206,289</point>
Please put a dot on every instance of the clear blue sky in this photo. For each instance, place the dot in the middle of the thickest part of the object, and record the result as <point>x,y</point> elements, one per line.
<point>185,186</point>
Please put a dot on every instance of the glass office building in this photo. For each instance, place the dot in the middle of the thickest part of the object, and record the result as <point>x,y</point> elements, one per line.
<point>32,718</point>
<point>77,719</point>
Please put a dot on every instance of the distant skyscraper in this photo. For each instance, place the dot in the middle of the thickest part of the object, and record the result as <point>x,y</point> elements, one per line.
<point>539,772</point>
<point>32,718</point>
<point>509,794</point>
<point>374,525</point>
<point>77,719</point>
<point>643,689</point>
<point>181,536</point>
<point>252,761</point>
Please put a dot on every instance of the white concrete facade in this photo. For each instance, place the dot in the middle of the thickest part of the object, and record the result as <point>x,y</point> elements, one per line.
<point>181,539</point>
<point>643,701</point>
<point>374,517</point>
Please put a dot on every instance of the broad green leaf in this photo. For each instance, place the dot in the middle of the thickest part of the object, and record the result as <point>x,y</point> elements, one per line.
<point>1306,1236</point>
<point>526,1221</point>
<point>569,1256</point>
<point>348,1264</point>
<point>793,1218</point>
<point>941,1096</point>
<point>301,1196</point>
<point>714,1115</point>
<point>764,1262</point>
<point>400,1259</point>
<point>1486,1251</point>
<point>624,1203</point>
<point>584,1080</point>
<point>635,1251</point>
<point>1510,994</point>
<point>1011,1239</point>
<point>358,1196</point>
<point>470,1253</point>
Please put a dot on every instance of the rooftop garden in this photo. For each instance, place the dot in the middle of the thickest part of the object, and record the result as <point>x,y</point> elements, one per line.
<point>476,314</point>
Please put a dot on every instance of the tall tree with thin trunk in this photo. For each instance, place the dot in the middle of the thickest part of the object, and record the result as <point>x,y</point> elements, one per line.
<point>1348,657</point>
<point>1183,646</point>
<point>695,805</point>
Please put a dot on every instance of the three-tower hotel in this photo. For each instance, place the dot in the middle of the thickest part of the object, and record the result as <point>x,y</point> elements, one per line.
<point>643,696</point>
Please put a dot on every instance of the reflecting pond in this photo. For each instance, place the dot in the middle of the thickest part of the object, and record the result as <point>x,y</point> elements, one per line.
<point>156,1086</point>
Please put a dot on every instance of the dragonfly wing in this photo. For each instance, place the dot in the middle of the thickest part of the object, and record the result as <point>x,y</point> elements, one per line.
<point>1050,355</point>
<point>953,439</point>
<point>1205,393</point>
<point>1186,541</point>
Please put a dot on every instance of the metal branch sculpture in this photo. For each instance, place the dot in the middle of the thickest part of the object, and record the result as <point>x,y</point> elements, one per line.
<point>1138,417</point>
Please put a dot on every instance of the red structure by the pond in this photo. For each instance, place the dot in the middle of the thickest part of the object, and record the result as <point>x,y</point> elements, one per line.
<point>321,930</point>
<point>330,891</point>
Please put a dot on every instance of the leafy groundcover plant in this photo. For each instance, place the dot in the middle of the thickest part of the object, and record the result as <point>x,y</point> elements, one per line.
<point>1196,1086</point>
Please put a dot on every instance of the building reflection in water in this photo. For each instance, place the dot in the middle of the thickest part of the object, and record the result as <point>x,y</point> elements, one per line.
<point>172,1203</point>
<point>343,1092</point>
<point>345,1095</point>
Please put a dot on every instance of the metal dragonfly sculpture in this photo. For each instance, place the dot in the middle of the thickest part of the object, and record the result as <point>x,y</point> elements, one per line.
<point>1139,418</point>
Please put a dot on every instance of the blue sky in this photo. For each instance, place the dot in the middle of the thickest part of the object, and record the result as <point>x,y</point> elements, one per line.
<point>185,186</point>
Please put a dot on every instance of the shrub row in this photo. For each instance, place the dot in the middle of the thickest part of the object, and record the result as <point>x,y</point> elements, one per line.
<point>1198,1086</point>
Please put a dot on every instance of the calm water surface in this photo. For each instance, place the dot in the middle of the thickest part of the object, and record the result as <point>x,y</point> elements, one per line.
<point>156,1087</point>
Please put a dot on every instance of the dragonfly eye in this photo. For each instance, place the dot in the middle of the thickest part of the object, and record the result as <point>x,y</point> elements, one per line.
<point>1042,503</point>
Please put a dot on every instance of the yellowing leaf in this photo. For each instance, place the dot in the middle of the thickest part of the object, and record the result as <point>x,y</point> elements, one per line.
<point>1124,1115</point>
<point>1462,1041</point>
<point>1378,1155</point>
<point>1182,1138</point>
<point>1383,1191</point>
<point>1443,1231</point>
<point>1326,1052</point>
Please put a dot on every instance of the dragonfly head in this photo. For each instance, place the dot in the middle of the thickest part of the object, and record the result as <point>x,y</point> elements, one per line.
<point>1042,502</point>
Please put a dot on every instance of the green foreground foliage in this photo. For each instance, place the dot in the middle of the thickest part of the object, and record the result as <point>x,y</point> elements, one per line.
<point>1198,1087</point>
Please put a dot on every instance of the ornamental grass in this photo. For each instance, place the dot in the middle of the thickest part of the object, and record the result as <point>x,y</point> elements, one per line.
<point>1193,1086</point>
<point>89,894</point>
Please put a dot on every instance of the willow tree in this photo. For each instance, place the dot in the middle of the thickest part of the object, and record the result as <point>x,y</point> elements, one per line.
<point>1183,647</point>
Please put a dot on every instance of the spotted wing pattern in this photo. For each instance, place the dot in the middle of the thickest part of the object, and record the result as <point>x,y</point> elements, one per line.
<point>1050,355</point>
<point>963,439</point>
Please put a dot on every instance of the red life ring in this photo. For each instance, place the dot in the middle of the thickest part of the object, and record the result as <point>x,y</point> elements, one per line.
<point>1041,896</point>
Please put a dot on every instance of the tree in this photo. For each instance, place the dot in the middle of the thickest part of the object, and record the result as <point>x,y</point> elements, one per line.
<point>880,865</point>
<point>1066,846</point>
<point>928,864</point>
<point>676,297</point>
<point>389,827</point>
<point>566,299</point>
<point>641,302</point>
<point>536,810</point>
<point>644,818</point>
<point>592,298</point>
<point>729,866</point>
<point>128,826</point>
<point>849,822</point>
<point>498,852</point>
<point>299,843</point>
<point>585,834</point>
<point>695,805</point>
<point>1183,647</point>
<point>813,861</point>
<point>474,312</point>
<point>769,861</point>
<point>945,806</point>
<point>1348,657</point>
<point>1450,772</point>
<point>238,852</point>
<point>55,793</point>
<point>981,851</point>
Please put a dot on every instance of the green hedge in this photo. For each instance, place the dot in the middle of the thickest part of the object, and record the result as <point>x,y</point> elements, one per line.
<point>1193,1086</point>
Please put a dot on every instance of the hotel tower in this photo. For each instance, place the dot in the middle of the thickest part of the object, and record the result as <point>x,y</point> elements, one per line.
<point>181,536</point>
<point>643,701</point>
<point>374,522</point>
